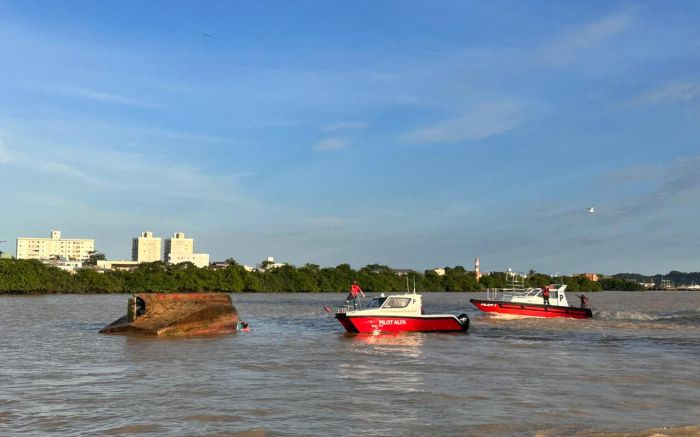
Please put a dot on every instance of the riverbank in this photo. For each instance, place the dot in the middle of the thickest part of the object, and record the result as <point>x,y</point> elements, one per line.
<point>30,276</point>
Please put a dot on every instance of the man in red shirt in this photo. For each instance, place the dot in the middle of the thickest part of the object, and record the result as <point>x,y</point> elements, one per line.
<point>545,295</point>
<point>354,291</point>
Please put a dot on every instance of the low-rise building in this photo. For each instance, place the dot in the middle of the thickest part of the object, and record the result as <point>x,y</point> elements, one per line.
<point>590,276</point>
<point>269,264</point>
<point>198,259</point>
<point>117,265</point>
<point>402,272</point>
<point>219,265</point>
<point>70,266</point>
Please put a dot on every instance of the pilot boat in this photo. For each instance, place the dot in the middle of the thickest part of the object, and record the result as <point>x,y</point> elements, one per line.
<point>530,303</point>
<point>397,313</point>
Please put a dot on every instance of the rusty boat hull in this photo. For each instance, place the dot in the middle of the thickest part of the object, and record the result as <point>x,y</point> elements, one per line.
<point>176,314</point>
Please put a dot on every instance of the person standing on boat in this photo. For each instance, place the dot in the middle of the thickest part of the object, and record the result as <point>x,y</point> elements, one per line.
<point>545,295</point>
<point>584,300</point>
<point>354,291</point>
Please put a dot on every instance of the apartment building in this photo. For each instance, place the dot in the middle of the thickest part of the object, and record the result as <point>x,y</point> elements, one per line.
<point>179,249</point>
<point>146,248</point>
<point>54,247</point>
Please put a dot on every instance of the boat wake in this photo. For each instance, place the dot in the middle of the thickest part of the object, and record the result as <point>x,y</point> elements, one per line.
<point>685,317</point>
<point>624,315</point>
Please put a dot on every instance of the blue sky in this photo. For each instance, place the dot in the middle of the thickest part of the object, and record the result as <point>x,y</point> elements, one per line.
<point>413,134</point>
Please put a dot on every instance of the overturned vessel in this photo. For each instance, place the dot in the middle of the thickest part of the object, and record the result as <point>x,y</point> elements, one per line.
<point>176,314</point>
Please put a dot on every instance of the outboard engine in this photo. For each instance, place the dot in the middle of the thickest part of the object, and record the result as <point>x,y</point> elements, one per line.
<point>464,321</point>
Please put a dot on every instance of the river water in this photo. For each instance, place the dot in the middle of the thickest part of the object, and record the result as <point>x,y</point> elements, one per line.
<point>635,367</point>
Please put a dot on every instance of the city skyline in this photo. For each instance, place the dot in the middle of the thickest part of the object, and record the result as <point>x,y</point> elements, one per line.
<point>408,134</point>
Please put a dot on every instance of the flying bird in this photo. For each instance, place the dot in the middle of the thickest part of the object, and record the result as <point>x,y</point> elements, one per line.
<point>591,210</point>
<point>206,35</point>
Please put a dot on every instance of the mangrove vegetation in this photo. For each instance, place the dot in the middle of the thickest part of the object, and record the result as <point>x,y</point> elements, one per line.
<point>30,276</point>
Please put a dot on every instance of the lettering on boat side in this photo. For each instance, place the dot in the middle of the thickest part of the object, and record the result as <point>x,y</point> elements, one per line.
<point>391,322</point>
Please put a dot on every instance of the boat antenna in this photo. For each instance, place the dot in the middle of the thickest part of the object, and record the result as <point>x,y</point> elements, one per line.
<point>414,285</point>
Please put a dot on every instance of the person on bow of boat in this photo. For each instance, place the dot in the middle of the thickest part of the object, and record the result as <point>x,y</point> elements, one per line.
<point>355,290</point>
<point>584,300</point>
<point>545,295</point>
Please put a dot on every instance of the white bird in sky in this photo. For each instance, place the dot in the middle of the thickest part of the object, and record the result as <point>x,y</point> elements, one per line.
<point>591,210</point>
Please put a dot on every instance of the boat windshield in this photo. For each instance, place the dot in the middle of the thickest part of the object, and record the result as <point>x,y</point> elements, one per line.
<point>376,302</point>
<point>397,302</point>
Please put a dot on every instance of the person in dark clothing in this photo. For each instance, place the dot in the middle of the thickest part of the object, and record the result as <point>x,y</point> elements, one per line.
<point>584,300</point>
<point>545,295</point>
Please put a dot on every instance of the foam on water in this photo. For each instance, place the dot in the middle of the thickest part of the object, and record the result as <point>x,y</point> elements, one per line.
<point>624,315</point>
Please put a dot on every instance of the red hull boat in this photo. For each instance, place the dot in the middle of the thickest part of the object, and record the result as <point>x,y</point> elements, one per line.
<point>531,310</point>
<point>398,314</point>
<point>366,324</point>
<point>530,303</point>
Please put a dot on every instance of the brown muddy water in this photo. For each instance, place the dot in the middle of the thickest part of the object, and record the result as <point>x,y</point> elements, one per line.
<point>633,370</point>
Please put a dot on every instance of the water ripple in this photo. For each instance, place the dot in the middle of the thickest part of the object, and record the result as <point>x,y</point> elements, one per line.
<point>298,373</point>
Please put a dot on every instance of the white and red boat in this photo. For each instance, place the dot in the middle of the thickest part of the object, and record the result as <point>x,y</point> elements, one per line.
<point>530,303</point>
<point>398,313</point>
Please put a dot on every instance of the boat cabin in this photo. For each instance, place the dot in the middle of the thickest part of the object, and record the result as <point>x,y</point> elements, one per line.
<point>403,304</point>
<point>532,295</point>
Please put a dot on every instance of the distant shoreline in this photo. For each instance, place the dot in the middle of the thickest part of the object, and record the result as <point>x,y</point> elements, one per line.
<point>28,277</point>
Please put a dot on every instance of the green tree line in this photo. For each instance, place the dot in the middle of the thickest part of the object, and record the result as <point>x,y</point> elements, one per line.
<point>30,276</point>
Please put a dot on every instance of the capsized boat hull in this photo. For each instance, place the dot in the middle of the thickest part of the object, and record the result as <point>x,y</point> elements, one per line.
<point>424,323</point>
<point>177,314</point>
<point>531,310</point>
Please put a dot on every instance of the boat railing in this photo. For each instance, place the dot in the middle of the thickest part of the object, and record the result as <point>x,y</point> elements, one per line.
<point>502,293</point>
<point>509,293</point>
<point>349,307</point>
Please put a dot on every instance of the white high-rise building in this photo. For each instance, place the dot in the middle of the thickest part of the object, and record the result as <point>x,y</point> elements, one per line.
<point>179,249</point>
<point>55,247</point>
<point>146,248</point>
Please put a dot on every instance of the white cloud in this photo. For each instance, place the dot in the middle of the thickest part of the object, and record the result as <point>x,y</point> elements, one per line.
<point>6,156</point>
<point>570,44</point>
<point>89,94</point>
<point>346,125</point>
<point>330,144</point>
<point>63,169</point>
<point>482,121</point>
<point>100,168</point>
<point>190,137</point>
<point>671,92</point>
